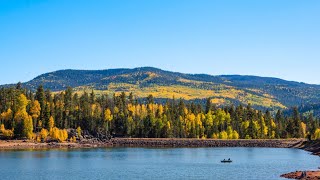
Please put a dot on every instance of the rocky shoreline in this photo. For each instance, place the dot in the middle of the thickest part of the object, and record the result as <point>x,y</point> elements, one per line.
<point>312,146</point>
<point>147,142</point>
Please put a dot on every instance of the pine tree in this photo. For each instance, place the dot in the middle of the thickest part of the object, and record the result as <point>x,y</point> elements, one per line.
<point>40,97</point>
<point>208,105</point>
<point>296,124</point>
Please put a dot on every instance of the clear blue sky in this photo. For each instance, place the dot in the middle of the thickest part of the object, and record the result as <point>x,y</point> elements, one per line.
<point>278,38</point>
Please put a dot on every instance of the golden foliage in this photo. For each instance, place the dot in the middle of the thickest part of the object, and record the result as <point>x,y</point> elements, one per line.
<point>44,134</point>
<point>219,92</point>
<point>215,136</point>
<point>73,139</point>
<point>303,129</point>
<point>218,101</point>
<point>107,115</point>
<point>7,133</point>
<point>235,135</point>
<point>317,134</point>
<point>20,116</point>
<point>35,109</point>
<point>51,123</point>
<point>223,135</point>
<point>59,134</point>
<point>28,127</point>
<point>79,131</point>
<point>7,115</point>
<point>22,102</point>
<point>168,125</point>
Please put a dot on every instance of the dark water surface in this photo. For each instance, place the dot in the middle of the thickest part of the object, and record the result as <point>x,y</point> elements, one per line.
<point>154,163</point>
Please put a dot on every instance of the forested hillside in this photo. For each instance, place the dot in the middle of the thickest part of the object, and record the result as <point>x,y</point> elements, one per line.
<point>260,92</point>
<point>43,115</point>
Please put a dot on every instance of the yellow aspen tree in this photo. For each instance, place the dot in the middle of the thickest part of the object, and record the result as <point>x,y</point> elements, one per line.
<point>131,109</point>
<point>168,128</point>
<point>58,134</point>
<point>28,127</point>
<point>6,132</point>
<point>35,109</point>
<point>215,136</point>
<point>199,127</point>
<point>6,116</point>
<point>273,128</point>
<point>223,135</point>
<point>44,134</point>
<point>160,109</point>
<point>317,134</point>
<point>230,132</point>
<point>65,135</point>
<point>73,139</point>
<point>22,103</point>
<point>51,123</point>
<point>79,131</point>
<point>107,115</point>
<point>143,113</point>
<point>23,122</point>
<point>303,129</point>
<point>185,110</point>
<point>235,135</point>
<point>138,110</point>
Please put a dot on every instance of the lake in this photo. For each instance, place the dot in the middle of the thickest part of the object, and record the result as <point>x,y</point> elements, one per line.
<point>154,163</point>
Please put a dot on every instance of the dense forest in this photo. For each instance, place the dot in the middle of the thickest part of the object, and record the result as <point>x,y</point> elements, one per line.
<point>44,115</point>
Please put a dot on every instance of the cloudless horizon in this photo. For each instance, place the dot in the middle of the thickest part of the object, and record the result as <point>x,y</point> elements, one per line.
<point>269,38</point>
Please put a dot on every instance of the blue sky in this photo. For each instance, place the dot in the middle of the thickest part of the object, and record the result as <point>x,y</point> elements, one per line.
<point>256,37</point>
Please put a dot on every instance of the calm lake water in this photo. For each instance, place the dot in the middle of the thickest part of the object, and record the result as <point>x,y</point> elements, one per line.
<point>149,163</point>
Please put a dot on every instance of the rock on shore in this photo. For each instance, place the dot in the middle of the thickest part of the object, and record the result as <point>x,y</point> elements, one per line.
<point>309,175</point>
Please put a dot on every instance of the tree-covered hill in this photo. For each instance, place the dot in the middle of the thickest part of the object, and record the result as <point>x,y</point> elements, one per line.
<point>265,92</point>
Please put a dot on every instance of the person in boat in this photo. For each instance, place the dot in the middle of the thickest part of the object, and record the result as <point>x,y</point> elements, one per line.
<point>229,159</point>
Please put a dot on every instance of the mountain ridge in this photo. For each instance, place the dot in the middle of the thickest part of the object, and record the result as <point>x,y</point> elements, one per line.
<point>270,92</point>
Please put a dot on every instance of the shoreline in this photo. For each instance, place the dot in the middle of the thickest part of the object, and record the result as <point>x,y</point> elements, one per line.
<point>184,142</point>
<point>154,142</point>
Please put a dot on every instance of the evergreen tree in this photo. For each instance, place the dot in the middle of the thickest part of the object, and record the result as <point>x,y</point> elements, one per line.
<point>40,97</point>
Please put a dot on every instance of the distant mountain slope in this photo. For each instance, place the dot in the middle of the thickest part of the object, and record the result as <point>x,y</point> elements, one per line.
<point>226,89</point>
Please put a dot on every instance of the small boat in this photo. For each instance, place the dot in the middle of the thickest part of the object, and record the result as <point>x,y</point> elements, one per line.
<point>226,161</point>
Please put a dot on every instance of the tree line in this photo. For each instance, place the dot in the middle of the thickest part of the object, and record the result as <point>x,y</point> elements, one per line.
<point>42,114</point>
